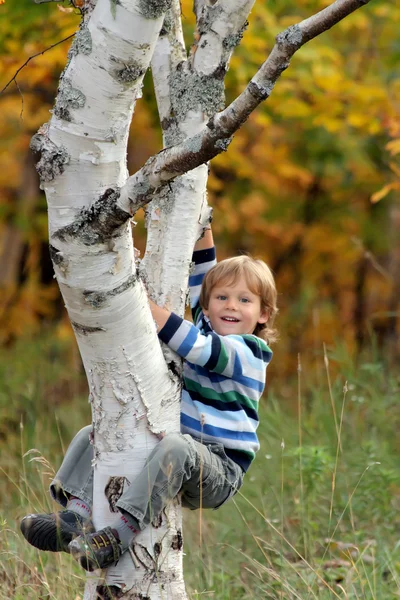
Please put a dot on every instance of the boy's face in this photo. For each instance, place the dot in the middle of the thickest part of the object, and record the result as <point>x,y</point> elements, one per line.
<point>234,309</point>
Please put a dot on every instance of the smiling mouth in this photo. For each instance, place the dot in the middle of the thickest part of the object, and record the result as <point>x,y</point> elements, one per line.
<point>230,319</point>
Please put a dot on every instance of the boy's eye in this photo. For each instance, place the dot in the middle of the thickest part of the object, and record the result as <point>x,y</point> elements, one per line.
<point>220,297</point>
<point>244,300</point>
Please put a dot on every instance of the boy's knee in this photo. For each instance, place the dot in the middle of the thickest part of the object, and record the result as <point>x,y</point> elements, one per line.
<point>175,448</point>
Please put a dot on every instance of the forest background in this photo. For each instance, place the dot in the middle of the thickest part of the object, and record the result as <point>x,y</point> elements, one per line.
<point>310,184</point>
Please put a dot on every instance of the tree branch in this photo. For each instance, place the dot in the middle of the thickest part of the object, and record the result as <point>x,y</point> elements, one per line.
<point>217,133</point>
<point>35,55</point>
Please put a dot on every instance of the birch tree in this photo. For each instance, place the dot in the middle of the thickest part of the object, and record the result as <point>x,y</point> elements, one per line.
<point>134,383</point>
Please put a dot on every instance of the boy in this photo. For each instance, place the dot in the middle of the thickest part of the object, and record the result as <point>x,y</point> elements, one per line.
<point>233,305</point>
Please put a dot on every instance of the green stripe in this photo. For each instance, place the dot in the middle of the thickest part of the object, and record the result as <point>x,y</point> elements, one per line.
<point>248,453</point>
<point>223,360</point>
<point>262,343</point>
<point>210,393</point>
<point>195,312</point>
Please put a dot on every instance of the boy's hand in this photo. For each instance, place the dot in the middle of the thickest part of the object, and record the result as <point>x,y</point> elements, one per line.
<point>160,315</point>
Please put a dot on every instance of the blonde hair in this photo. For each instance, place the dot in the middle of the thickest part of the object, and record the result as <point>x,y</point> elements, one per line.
<point>260,281</point>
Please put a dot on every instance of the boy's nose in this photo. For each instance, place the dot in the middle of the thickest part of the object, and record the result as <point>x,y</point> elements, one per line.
<point>231,304</point>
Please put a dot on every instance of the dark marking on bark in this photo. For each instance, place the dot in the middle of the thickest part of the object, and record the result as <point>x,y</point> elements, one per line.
<point>234,39</point>
<point>85,329</point>
<point>56,256</point>
<point>109,592</point>
<point>152,9</point>
<point>157,522</point>
<point>260,92</point>
<point>167,24</point>
<point>292,37</point>
<point>172,134</point>
<point>69,98</point>
<point>209,16</point>
<point>144,557</point>
<point>220,72</point>
<point>190,91</point>
<point>174,368</point>
<point>98,299</point>
<point>223,143</point>
<point>177,541</point>
<point>52,157</point>
<point>82,43</point>
<point>166,123</point>
<point>95,225</point>
<point>211,124</point>
<point>114,490</point>
<point>126,73</point>
<point>157,549</point>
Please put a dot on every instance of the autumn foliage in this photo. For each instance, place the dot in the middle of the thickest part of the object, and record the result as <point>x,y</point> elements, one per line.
<point>310,183</point>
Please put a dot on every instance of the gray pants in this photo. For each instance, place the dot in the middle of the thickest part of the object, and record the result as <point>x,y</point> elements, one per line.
<point>203,474</point>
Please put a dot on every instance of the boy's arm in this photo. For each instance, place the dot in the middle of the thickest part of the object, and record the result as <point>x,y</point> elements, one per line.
<point>160,314</point>
<point>205,242</point>
<point>226,355</point>
<point>204,259</point>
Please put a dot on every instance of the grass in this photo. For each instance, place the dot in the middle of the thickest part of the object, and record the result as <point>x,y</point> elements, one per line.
<point>317,518</point>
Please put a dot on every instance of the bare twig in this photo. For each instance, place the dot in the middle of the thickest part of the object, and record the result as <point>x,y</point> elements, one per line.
<point>35,55</point>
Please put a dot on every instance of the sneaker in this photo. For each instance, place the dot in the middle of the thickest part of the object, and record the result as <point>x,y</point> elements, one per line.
<point>53,532</point>
<point>97,550</point>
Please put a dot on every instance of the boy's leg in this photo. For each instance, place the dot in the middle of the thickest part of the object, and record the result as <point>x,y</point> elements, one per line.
<point>219,479</point>
<point>204,474</point>
<point>72,488</point>
<point>75,476</point>
<point>178,462</point>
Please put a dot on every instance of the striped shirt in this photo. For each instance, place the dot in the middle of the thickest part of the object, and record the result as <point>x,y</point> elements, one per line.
<point>223,378</point>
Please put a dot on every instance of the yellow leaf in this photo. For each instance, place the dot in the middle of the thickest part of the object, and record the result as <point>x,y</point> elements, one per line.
<point>294,107</point>
<point>64,9</point>
<point>394,147</point>
<point>382,193</point>
<point>395,168</point>
<point>357,119</point>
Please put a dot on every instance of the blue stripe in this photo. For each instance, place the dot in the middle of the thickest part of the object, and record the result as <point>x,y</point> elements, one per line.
<point>170,328</point>
<point>218,432</point>
<point>204,256</point>
<point>256,347</point>
<point>189,341</point>
<point>215,352</point>
<point>195,280</point>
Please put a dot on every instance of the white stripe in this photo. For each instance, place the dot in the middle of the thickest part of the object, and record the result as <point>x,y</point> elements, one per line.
<point>203,268</point>
<point>180,335</point>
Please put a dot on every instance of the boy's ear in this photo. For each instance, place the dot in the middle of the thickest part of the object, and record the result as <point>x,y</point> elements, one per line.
<point>205,311</point>
<point>264,316</point>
